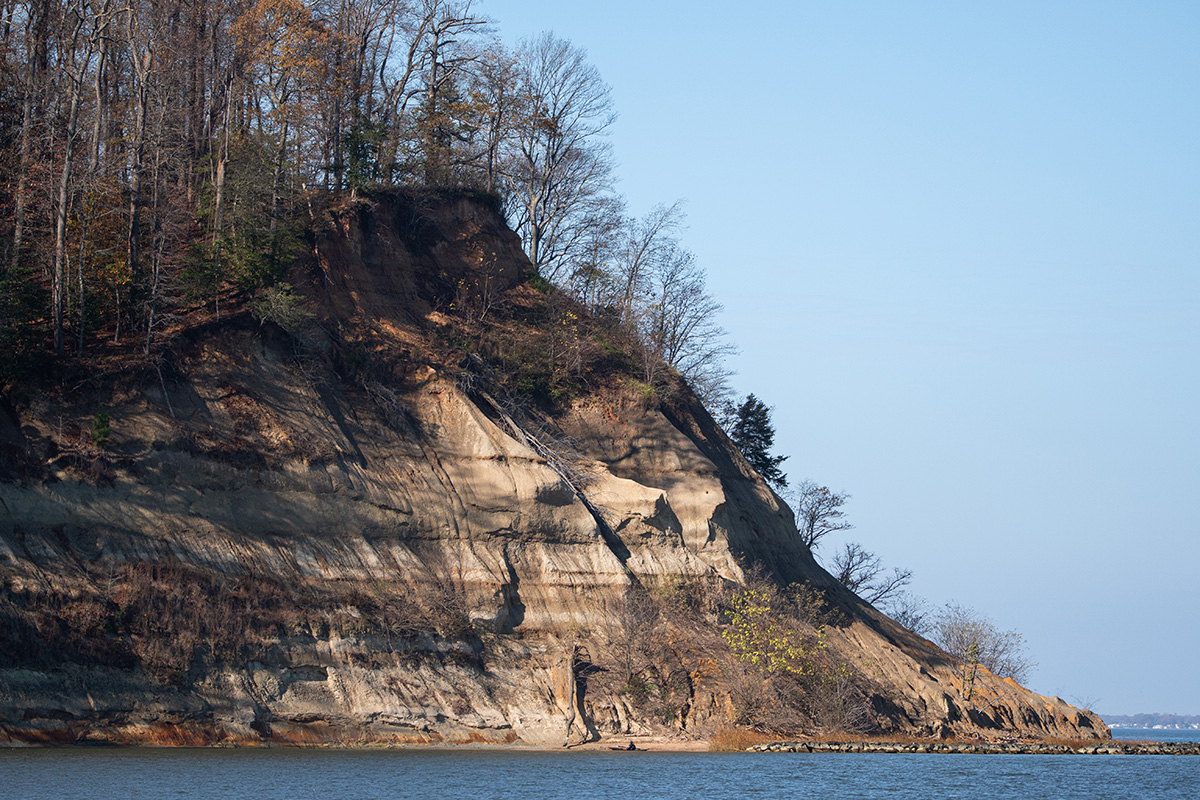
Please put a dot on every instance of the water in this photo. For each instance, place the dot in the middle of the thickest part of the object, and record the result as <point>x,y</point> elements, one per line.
<point>137,774</point>
<point>1156,734</point>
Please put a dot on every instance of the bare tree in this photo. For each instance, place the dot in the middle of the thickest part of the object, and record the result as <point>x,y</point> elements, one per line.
<point>655,285</point>
<point>862,572</point>
<point>646,245</point>
<point>83,27</point>
<point>680,327</point>
<point>592,277</point>
<point>630,634</point>
<point>558,167</point>
<point>818,512</point>
<point>142,40</point>
<point>976,642</point>
<point>492,86</point>
<point>35,42</point>
<point>910,611</point>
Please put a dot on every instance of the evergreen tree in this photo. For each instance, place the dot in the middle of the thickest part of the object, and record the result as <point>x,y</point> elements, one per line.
<point>754,435</point>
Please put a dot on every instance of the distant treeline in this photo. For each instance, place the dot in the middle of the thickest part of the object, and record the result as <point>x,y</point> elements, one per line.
<point>1153,720</point>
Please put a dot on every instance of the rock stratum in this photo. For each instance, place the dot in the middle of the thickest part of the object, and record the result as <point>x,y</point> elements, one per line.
<point>365,532</point>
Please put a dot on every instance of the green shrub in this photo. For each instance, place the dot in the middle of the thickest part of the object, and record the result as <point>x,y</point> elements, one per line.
<point>645,391</point>
<point>100,430</point>
<point>279,305</point>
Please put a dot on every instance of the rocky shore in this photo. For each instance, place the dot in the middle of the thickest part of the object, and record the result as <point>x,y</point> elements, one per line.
<point>986,748</point>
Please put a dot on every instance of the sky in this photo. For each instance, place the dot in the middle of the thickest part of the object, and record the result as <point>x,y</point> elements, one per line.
<point>958,246</point>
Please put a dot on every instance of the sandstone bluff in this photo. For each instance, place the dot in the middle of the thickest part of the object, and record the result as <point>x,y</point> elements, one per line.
<point>370,531</point>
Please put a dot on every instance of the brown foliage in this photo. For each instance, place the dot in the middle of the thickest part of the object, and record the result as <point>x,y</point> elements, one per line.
<point>736,740</point>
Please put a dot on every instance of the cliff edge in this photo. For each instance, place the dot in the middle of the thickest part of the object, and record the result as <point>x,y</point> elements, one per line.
<point>443,509</point>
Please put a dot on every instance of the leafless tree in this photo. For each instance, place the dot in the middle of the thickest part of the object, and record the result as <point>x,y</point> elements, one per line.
<point>83,25</point>
<point>679,325</point>
<point>818,512</point>
<point>862,572</point>
<point>591,278</point>
<point>32,46</point>
<point>630,634</point>
<point>558,166</point>
<point>644,247</point>
<point>975,641</point>
<point>492,86</point>
<point>910,611</point>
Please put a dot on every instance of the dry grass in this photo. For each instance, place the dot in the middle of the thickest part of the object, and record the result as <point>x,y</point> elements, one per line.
<point>737,740</point>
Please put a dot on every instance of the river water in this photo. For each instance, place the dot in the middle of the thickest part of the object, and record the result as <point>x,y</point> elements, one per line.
<point>1156,734</point>
<point>478,774</point>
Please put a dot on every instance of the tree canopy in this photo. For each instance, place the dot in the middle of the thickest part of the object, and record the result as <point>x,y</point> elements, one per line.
<point>166,155</point>
<point>754,435</point>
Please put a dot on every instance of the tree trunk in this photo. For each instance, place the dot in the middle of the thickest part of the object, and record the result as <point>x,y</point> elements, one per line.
<point>60,225</point>
<point>82,287</point>
<point>36,34</point>
<point>135,180</point>
<point>98,114</point>
<point>142,63</point>
<point>219,191</point>
<point>276,191</point>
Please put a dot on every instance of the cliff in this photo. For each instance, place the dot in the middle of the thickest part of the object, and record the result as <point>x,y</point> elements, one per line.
<point>426,515</point>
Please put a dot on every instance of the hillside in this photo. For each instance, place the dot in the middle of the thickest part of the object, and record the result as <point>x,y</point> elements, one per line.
<point>445,507</point>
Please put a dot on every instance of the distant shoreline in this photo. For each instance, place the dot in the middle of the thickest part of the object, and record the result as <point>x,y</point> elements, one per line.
<point>1164,722</point>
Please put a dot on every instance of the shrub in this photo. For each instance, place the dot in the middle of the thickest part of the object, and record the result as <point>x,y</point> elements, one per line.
<point>645,392</point>
<point>279,305</point>
<point>974,641</point>
<point>101,430</point>
<point>757,635</point>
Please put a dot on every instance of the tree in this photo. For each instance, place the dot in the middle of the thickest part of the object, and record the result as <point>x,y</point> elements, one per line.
<point>645,247</point>
<point>280,305</point>
<point>759,635</point>
<point>819,513</point>
<point>655,285</point>
<point>283,45</point>
<point>974,641</point>
<point>679,326</point>
<point>631,632</point>
<point>910,611</point>
<point>558,168</point>
<point>492,86</point>
<point>442,114</point>
<point>754,435</point>
<point>83,26</point>
<point>861,571</point>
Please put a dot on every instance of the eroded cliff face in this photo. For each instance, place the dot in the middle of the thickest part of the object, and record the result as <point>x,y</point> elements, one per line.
<point>278,546</point>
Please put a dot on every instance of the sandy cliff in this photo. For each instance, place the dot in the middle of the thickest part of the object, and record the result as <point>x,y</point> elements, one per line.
<point>351,535</point>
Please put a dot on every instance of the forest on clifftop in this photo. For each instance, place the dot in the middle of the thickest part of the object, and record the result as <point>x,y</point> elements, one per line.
<point>162,158</point>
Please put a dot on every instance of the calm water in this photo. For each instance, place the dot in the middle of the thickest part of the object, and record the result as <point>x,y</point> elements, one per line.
<point>507,775</point>
<point>1155,735</point>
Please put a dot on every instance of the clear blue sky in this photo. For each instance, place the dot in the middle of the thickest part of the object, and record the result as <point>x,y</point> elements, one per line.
<point>958,245</point>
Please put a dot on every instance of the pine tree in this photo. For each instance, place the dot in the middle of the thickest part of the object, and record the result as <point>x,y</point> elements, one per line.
<point>754,435</point>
